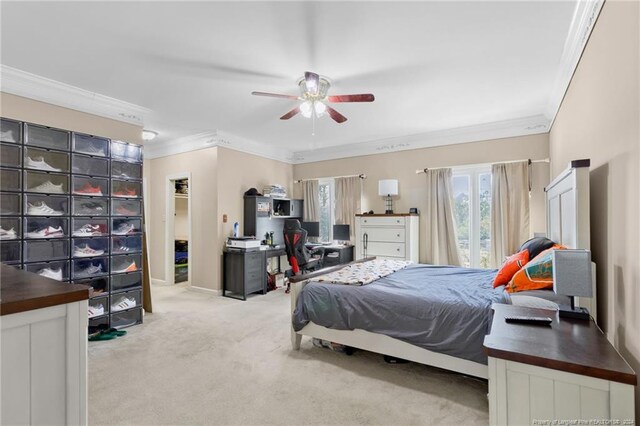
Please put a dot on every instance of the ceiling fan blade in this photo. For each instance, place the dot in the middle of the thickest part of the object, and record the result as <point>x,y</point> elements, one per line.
<point>275,95</point>
<point>337,117</point>
<point>290,114</point>
<point>364,97</point>
<point>312,81</point>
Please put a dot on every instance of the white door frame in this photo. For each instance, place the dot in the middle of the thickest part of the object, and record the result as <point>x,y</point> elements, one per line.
<point>169,226</point>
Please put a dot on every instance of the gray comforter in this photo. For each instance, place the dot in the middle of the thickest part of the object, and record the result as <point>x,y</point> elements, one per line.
<point>440,308</point>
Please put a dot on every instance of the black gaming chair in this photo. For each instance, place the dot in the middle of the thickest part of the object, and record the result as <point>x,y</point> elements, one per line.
<point>299,256</point>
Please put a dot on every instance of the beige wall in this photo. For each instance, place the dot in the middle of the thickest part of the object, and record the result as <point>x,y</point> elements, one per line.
<point>402,166</point>
<point>599,119</point>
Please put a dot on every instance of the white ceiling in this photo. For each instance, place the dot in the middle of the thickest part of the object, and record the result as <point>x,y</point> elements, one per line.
<point>432,66</point>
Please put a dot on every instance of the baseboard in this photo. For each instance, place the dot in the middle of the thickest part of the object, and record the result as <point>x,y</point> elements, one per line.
<point>209,291</point>
<point>156,281</point>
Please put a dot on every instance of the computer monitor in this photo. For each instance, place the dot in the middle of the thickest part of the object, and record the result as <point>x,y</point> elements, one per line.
<point>312,228</point>
<point>341,233</point>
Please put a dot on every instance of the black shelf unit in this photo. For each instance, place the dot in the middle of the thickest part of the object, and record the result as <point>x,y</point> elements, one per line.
<point>75,203</point>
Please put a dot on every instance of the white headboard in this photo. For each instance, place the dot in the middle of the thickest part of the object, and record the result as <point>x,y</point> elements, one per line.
<point>568,219</point>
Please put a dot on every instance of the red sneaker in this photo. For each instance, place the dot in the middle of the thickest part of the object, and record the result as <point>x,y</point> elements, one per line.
<point>87,189</point>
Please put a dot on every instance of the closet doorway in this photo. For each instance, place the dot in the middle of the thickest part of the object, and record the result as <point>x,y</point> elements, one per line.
<point>178,229</point>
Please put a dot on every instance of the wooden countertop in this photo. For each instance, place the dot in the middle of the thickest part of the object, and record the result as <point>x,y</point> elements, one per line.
<point>22,291</point>
<point>574,346</point>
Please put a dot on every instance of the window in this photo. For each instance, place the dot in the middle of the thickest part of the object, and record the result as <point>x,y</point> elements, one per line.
<point>327,213</point>
<point>472,213</point>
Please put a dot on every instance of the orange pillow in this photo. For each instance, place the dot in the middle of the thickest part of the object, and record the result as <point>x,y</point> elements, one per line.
<point>537,274</point>
<point>512,265</point>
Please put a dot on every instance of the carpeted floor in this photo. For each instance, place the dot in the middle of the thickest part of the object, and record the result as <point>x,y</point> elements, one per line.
<point>201,359</point>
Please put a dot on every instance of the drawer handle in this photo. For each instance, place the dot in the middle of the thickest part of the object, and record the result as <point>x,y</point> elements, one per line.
<point>398,221</point>
<point>398,249</point>
<point>398,235</point>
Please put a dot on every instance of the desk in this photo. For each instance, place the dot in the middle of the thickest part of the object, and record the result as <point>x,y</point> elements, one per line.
<point>568,371</point>
<point>345,255</point>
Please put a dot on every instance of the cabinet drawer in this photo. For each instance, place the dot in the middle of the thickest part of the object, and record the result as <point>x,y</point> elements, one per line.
<point>382,221</point>
<point>375,248</point>
<point>386,235</point>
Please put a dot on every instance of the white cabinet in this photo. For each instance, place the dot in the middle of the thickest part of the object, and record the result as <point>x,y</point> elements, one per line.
<point>388,236</point>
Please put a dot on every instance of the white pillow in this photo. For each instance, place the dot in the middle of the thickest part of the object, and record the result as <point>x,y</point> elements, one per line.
<point>533,302</point>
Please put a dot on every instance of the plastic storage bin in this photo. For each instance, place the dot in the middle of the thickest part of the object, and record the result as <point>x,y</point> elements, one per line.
<point>89,227</point>
<point>10,155</point>
<point>10,180</point>
<point>100,285</point>
<point>94,187</point>
<point>125,301</point>
<point>92,166</point>
<point>125,189</point>
<point>126,207</point>
<point>126,263</point>
<point>58,270</point>
<point>45,250</point>
<point>46,160</point>
<point>9,251</point>
<point>10,131</point>
<point>89,247</point>
<point>124,282</point>
<point>11,228</point>
<point>98,324</point>
<point>89,268</point>
<point>90,145</point>
<point>126,151</point>
<point>10,204</point>
<point>46,137</point>
<point>125,170</point>
<point>38,228</point>
<point>86,206</point>
<point>46,183</point>
<point>46,205</point>
<point>128,226</point>
<point>98,306</point>
<point>126,244</point>
<point>126,318</point>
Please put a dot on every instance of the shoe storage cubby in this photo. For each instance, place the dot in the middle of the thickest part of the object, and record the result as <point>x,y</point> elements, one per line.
<point>10,155</point>
<point>10,180</point>
<point>46,182</point>
<point>71,210</point>
<point>126,244</point>
<point>46,205</point>
<point>58,270</point>
<point>37,228</point>
<point>90,247</point>
<point>46,160</point>
<point>89,227</point>
<point>85,206</point>
<point>98,307</point>
<point>10,131</point>
<point>91,166</point>
<point>95,187</point>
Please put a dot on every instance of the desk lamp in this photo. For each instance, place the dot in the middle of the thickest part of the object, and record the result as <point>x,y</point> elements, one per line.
<point>572,277</point>
<point>388,188</point>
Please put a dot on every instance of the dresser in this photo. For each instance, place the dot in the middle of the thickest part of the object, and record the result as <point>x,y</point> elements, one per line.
<point>394,236</point>
<point>245,272</point>
<point>567,372</point>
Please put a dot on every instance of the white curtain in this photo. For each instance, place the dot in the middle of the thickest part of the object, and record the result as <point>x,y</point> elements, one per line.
<point>442,246</point>
<point>509,209</point>
<point>311,201</point>
<point>348,194</point>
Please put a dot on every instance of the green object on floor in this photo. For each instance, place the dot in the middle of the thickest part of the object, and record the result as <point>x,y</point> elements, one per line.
<point>116,332</point>
<point>109,334</point>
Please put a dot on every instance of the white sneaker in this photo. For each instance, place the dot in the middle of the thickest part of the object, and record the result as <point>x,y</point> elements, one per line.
<point>90,270</point>
<point>8,234</point>
<point>7,136</point>
<point>48,232</point>
<point>48,187</point>
<point>95,311</point>
<point>40,164</point>
<point>123,229</point>
<point>42,209</point>
<point>55,274</point>
<point>122,304</point>
<point>86,251</point>
<point>87,230</point>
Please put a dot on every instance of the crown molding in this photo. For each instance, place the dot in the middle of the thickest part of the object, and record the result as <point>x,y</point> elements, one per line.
<point>25,84</point>
<point>582,23</point>
<point>497,130</point>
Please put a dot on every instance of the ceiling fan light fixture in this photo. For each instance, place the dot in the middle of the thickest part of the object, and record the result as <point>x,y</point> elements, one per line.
<point>320,108</point>
<point>148,135</point>
<point>305,109</point>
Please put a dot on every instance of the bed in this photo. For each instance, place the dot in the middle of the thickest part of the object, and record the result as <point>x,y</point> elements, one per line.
<point>443,313</point>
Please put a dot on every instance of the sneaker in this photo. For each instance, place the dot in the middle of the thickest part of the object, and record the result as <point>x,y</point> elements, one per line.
<point>87,230</point>
<point>40,164</point>
<point>54,274</point>
<point>124,229</point>
<point>125,268</point>
<point>91,207</point>
<point>8,234</point>
<point>42,209</point>
<point>125,192</point>
<point>7,136</point>
<point>95,311</point>
<point>89,271</point>
<point>86,251</point>
<point>123,303</point>
<point>123,249</point>
<point>92,150</point>
<point>123,211</point>
<point>48,187</point>
<point>87,189</point>
<point>48,232</point>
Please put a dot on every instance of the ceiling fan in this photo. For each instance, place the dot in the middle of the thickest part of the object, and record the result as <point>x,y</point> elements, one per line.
<point>313,93</point>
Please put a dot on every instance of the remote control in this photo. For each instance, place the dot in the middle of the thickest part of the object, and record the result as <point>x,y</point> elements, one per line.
<point>528,320</point>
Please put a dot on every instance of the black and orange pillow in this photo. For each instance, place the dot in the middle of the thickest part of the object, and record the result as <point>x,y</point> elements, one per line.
<point>537,274</point>
<point>512,265</point>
